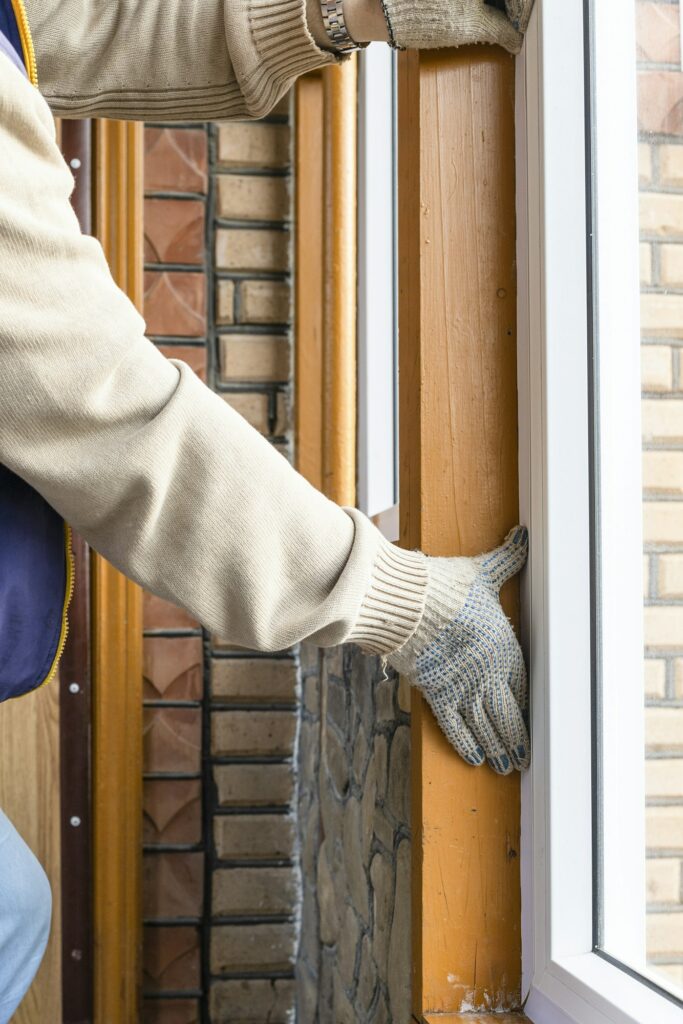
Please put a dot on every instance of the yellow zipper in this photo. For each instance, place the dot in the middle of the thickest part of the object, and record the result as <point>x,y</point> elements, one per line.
<point>68,594</point>
<point>26,40</point>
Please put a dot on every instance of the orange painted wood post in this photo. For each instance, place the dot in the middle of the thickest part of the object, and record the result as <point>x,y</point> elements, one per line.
<point>117,646</point>
<point>459,493</point>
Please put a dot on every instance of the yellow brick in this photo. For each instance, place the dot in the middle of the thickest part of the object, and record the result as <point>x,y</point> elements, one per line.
<point>662,421</point>
<point>664,828</point>
<point>253,407</point>
<point>253,144</point>
<point>661,315</point>
<point>646,576</point>
<point>669,972</point>
<point>265,302</point>
<point>257,358</point>
<point>664,778</point>
<point>664,628</point>
<point>671,265</point>
<point>663,522</point>
<point>664,729</point>
<point>225,302</point>
<point>664,934</point>
<point>644,163</point>
<point>671,165</point>
<point>283,423</point>
<point>678,677</point>
<point>252,249</point>
<point>661,214</point>
<point>671,576</point>
<point>656,368</point>
<point>252,197</point>
<point>655,678</point>
<point>645,263</point>
<point>663,472</point>
<point>663,880</point>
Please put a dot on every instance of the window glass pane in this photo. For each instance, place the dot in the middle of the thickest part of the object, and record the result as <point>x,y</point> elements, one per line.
<point>638,474</point>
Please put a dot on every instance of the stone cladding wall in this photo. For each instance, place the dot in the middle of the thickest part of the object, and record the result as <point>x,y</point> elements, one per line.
<point>354,814</point>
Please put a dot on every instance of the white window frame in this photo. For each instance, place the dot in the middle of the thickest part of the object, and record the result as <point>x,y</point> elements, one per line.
<point>565,980</point>
<point>377,298</point>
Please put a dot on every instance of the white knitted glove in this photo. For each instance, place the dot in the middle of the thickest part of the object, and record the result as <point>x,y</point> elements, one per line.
<point>466,660</point>
<point>427,24</point>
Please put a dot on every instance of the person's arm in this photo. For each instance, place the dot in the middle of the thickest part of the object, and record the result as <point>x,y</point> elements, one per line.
<point>204,60</point>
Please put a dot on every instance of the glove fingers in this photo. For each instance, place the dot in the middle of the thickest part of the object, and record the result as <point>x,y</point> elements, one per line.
<point>506,561</point>
<point>483,728</point>
<point>509,723</point>
<point>519,12</point>
<point>455,730</point>
<point>495,27</point>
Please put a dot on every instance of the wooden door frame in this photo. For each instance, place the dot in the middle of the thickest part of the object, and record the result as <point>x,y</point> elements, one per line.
<point>459,493</point>
<point>117,643</point>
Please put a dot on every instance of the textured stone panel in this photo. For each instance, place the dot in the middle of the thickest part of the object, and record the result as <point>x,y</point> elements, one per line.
<point>174,231</point>
<point>193,355</point>
<point>171,959</point>
<point>172,740</point>
<point>175,303</point>
<point>160,614</point>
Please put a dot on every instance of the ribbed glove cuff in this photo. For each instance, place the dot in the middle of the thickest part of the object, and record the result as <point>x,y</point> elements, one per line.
<point>394,603</point>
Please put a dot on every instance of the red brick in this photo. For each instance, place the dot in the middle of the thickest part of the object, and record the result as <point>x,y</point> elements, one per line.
<point>160,614</point>
<point>172,885</point>
<point>193,355</point>
<point>660,102</point>
<point>171,959</point>
<point>175,160</point>
<point>172,811</point>
<point>172,668</point>
<point>172,740</point>
<point>658,33</point>
<point>174,231</point>
<point>171,1011</point>
<point>175,303</point>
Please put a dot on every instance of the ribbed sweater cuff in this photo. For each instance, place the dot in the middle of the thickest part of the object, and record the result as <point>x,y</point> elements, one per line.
<point>285,46</point>
<point>393,606</point>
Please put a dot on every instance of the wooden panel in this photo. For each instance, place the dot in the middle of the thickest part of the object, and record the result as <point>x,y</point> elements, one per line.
<point>340,308</point>
<point>117,646</point>
<point>475,1018</point>
<point>309,277</point>
<point>29,795</point>
<point>459,493</point>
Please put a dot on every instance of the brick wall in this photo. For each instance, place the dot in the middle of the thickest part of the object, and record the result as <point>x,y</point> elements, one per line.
<point>354,815</point>
<point>661,257</point>
<point>221,872</point>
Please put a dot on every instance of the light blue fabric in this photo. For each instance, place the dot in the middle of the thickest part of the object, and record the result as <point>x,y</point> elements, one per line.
<point>25,913</point>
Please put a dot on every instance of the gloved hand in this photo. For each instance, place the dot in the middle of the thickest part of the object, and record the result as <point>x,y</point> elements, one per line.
<point>428,24</point>
<point>466,660</point>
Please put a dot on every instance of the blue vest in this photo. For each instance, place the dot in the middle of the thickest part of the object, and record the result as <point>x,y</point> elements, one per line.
<point>36,572</point>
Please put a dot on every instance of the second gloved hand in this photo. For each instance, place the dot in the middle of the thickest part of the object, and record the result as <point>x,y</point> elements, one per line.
<point>436,23</point>
<point>466,660</point>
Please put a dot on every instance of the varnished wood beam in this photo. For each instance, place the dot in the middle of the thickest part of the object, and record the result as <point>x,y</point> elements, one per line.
<point>117,645</point>
<point>459,495</point>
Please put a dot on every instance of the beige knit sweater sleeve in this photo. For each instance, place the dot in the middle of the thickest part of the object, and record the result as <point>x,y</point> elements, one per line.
<point>183,60</point>
<point>153,469</point>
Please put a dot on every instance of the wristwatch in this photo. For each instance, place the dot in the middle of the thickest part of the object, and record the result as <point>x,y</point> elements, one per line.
<point>335,25</point>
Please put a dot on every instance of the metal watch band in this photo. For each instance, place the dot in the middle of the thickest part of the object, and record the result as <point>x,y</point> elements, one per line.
<point>335,25</point>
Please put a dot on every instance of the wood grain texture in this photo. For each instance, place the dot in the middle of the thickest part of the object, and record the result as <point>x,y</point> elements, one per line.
<point>309,277</point>
<point>29,795</point>
<point>340,305</point>
<point>475,1018</point>
<point>459,495</point>
<point>117,646</point>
